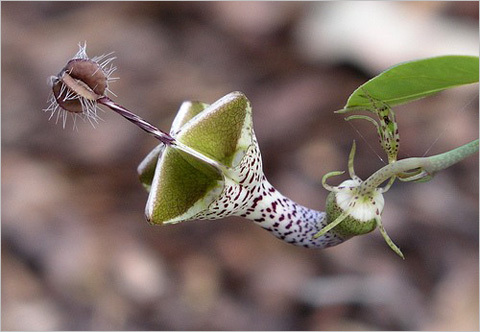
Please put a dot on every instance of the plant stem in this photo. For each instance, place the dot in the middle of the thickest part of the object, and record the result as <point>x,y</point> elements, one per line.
<point>426,165</point>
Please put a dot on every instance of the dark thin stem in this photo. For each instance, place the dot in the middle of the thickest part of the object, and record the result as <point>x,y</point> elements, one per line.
<point>148,127</point>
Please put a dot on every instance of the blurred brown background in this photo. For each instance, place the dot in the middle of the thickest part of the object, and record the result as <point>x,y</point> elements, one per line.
<point>77,253</point>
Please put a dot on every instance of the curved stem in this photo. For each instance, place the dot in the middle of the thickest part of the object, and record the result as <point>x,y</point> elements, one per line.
<point>426,166</point>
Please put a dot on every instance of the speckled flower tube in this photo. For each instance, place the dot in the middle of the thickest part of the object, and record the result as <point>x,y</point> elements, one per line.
<point>238,187</point>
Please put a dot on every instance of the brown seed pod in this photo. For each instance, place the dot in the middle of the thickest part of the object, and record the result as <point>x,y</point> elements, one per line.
<point>81,78</point>
<point>88,72</point>
<point>79,85</point>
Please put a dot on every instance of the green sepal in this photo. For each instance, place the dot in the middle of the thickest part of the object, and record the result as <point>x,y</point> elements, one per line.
<point>186,177</point>
<point>146,169</point>
<point>187,111</point>
<point>219,131</point>
<point>182,187</point>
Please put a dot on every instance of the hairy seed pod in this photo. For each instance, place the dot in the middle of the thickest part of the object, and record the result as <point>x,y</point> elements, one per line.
<point>79,85</point>
<point>79,81</point>
<point>89,73</point>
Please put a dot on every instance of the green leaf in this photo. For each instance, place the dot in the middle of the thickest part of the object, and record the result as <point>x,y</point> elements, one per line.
<point>414,80</point>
